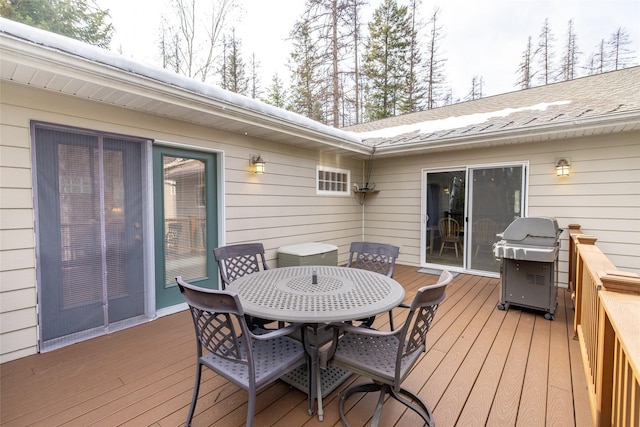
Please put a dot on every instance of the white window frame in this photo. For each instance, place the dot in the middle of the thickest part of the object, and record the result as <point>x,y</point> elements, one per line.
<point>345,184</point>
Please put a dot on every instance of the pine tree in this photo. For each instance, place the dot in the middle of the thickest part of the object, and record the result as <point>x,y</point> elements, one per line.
<point>276,93</point>
<point>545,53</point>
<point>307,87</point>
<point>597,60</point>
<point>78,19</point>
<point>414,97</point>
<point>571,54</point>
<point>352,76</point>
<point>334,27</point>
<point>620,55</point>
<point>233,70</point>
<point>435,63</point>
<point>254,77</point>
<point>476,88</point>
<point>525,72</point>
<point>385,65</point>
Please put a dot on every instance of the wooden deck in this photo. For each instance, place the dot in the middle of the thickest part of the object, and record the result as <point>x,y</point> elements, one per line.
<point>483,367</point>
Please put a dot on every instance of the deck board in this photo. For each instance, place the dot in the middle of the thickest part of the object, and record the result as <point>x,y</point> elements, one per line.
<point>483,366</point>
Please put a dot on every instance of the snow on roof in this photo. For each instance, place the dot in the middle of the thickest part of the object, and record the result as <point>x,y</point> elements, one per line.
<point>453,122</point>
<point>112,59</point>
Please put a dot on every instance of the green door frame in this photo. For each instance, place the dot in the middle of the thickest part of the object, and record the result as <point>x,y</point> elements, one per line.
<point>167,292</point>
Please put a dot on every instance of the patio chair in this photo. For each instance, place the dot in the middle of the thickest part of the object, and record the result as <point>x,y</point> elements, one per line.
<point>378,257</point>
<point>449,230</point>
<point>388,357</point>
<point>235,261</point>
<point>250,361</point>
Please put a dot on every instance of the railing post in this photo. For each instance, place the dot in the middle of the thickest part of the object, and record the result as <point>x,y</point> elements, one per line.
<point>605,363</point>
<point>620,281</point>
<point>574,230</point>
<point>579,239</point>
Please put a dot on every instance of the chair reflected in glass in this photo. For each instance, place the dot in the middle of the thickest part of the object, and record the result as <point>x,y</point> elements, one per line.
<point>449,230</point>
<point>388,357</point>
<point>377,257</point>
<point>250,361</point>
<point>235,261</point>
<point>484,235</point>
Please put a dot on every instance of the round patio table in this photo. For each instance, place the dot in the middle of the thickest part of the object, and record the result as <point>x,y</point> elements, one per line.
<point>314,295</point>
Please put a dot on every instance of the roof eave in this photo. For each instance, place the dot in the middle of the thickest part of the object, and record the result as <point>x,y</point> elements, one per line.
<point>598,125</point>
<point>169,89</point>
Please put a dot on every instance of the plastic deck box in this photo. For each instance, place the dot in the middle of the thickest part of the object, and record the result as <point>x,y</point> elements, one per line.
<point>313,253</point>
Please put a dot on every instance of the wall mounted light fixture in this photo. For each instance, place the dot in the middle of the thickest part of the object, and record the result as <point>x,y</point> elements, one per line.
<point>256,162</point>
<point>563,166</point>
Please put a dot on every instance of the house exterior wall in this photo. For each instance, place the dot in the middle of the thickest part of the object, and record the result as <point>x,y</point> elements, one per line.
<point>278,208</point>
<point>602,193</point>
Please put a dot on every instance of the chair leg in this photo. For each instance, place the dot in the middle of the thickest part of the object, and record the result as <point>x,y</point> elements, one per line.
<point>194,399</point>
<point>362,388</point>
<point>411,400</point>
<point>419,407</point>
<point>251,410</point>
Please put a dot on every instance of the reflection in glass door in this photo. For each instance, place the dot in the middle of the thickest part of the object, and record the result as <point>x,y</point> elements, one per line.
<point>496,199</point>
<point>185,221</point>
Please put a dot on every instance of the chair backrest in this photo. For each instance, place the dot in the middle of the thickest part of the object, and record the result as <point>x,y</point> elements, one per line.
<point>414,331</point>
<point>449,228</point>
<point>484,230</point>
<point>378,257</point>
<point>235,261</point>
<point>214,313</point>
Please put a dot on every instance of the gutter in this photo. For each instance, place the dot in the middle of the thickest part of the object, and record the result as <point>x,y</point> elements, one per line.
<point>623,122</point>
<point>57,54</point>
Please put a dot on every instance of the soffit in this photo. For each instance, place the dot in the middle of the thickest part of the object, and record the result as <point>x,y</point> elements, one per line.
<point>163,94</point>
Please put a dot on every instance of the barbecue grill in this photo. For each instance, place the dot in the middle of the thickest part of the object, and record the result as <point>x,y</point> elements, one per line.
<point>528,255</point>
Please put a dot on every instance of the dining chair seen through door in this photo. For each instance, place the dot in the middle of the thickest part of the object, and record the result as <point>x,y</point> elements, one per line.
<point>225,345</point>
<point>449,230</point>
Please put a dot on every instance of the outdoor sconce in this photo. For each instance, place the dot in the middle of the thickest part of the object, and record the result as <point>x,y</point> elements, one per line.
<point>562,166</point>
<point>257,163</point>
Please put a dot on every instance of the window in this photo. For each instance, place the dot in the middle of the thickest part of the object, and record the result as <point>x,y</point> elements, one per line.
<point>332,181</point>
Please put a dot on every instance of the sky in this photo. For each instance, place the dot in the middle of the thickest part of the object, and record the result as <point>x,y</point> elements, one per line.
<point>483,38</point>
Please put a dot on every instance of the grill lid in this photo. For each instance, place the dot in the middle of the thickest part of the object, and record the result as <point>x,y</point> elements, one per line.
<point>530,239</point>
<point>534,231</point>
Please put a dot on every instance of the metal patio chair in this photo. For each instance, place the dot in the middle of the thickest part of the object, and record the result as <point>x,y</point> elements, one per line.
<point>388,357</point>
<point>378,257</point>
<point>235,261</point>
<point>250,361</point>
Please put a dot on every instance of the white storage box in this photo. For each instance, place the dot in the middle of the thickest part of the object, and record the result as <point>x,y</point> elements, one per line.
<point>313,253</point>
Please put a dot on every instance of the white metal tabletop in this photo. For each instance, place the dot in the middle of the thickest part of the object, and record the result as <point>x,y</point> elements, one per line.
<point>289,294</point>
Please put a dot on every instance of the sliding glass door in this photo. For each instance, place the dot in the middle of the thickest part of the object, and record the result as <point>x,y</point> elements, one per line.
<point>465,209</point>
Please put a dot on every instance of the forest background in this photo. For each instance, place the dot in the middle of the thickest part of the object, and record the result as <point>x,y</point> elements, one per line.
<point>343,62</point>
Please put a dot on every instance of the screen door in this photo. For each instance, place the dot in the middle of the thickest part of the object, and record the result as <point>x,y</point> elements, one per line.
<point>90,231</point>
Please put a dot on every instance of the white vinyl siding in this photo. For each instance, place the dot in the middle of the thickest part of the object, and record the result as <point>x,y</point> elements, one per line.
<point>278,208</point>
<point>602,194</point>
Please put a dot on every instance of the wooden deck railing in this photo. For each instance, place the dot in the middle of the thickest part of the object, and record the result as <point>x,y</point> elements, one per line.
<point>607,323</point>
